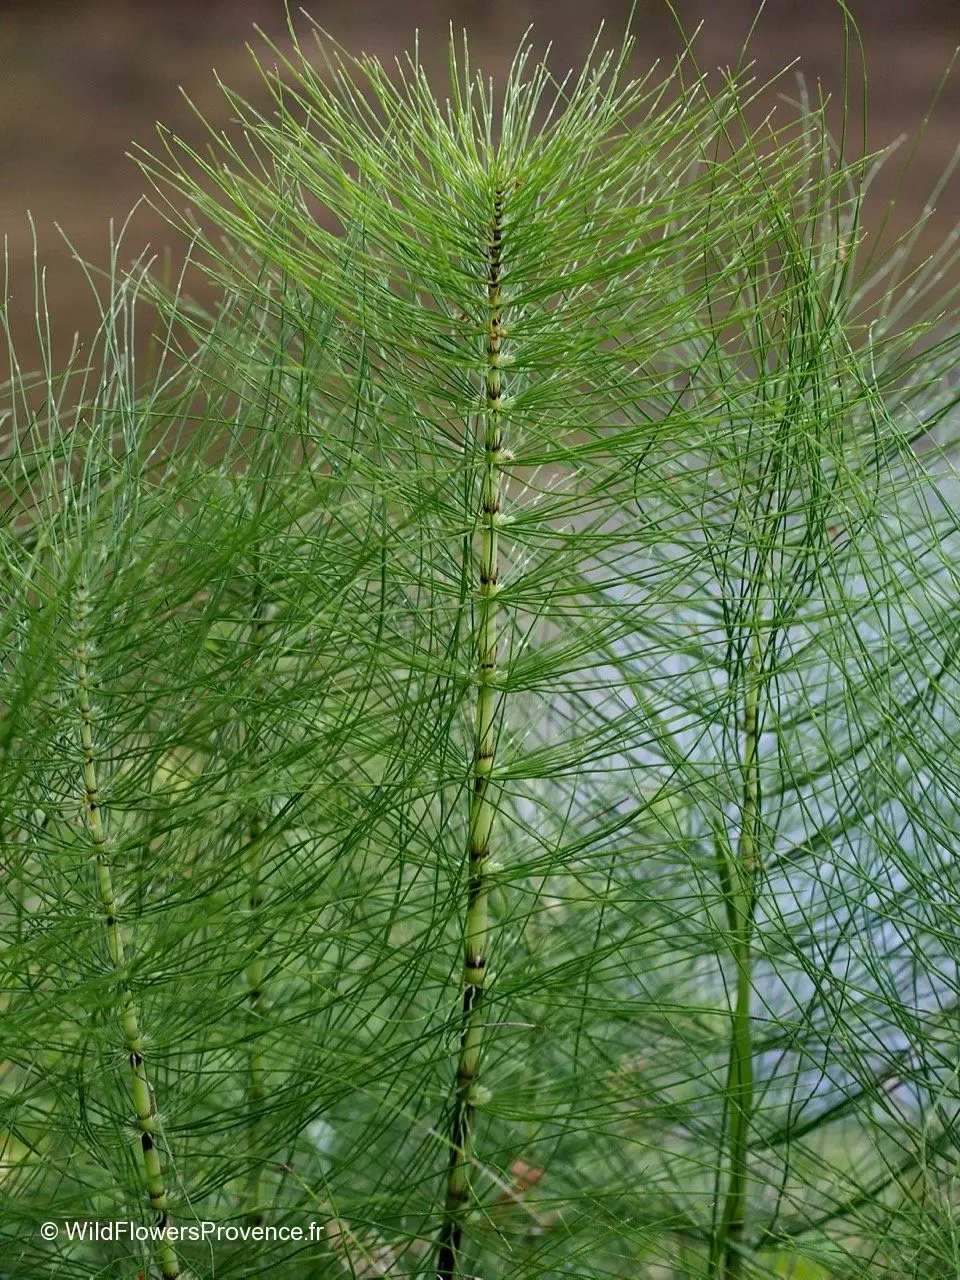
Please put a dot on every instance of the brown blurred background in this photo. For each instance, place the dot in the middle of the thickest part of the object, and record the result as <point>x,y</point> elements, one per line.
<point>79,79</point>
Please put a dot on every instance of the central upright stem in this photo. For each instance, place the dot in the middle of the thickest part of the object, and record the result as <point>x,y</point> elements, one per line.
<point>476,929</point>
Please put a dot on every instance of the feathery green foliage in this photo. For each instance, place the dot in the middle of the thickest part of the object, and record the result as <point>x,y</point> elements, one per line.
<point>479,757</point>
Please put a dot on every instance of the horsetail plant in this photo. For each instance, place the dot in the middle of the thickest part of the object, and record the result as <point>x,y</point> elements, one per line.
<point>482,804</point>
<point>541,558</point>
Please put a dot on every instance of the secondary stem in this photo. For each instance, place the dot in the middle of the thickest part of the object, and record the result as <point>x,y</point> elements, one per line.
<point>143,1095</point>
<point>742,904</point>
<point>255,971</point>
<point>476,930</point>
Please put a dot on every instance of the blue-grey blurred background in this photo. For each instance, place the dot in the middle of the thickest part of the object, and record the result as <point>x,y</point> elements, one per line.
<point>80,78</point>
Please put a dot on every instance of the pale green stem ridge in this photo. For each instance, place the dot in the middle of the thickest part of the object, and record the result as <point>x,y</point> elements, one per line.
<point>482,808</point>
<point>141,1088</point>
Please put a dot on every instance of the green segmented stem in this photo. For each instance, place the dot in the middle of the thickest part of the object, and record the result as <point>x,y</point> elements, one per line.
<point>256,968</point>
<point>742,900</point>
<point>476,930</point>
<point>143,1095</point>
